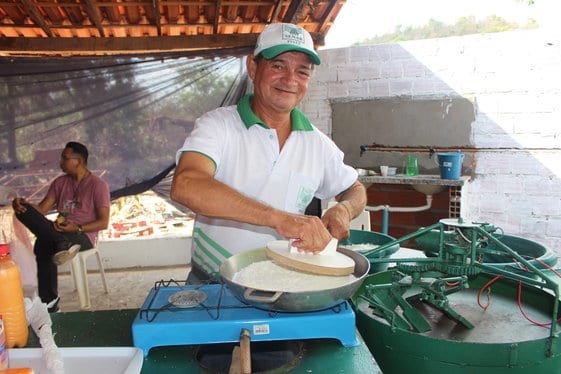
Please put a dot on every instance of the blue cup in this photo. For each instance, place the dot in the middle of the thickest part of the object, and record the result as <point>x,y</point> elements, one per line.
<point>450,165</point>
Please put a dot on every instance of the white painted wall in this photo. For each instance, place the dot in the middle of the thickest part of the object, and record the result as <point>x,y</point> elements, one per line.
<point>145,252</point>
<point>514,79</point>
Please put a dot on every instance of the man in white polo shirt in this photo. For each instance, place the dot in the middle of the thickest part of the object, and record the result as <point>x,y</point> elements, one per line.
<point>249,171</point>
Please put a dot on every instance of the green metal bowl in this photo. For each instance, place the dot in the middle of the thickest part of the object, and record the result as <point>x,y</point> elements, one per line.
<point>535,253</point>
<point>502,342</point>
<point>361,237</point>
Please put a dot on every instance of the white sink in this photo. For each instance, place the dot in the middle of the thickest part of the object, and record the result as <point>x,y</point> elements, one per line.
<point>428,189</point>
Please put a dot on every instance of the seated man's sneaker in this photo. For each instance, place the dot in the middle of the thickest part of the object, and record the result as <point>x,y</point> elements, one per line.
<point>52,306</point>
<point>63,256</point>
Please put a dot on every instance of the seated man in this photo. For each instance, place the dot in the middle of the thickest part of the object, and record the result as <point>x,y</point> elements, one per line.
<point>82,200</point>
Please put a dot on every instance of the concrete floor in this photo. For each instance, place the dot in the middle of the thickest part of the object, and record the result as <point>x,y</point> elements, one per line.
<point>127,288</point>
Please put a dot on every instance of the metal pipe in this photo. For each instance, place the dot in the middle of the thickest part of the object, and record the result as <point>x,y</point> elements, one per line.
<point>399,241</point>
<point>387,208</point>
<point>432,150</point>
<point>385,221</point>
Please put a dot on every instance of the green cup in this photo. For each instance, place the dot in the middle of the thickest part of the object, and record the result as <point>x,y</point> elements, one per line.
<point>411,165</point>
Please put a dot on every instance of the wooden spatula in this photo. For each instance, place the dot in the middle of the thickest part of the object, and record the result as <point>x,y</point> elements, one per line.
<point>331,263</point>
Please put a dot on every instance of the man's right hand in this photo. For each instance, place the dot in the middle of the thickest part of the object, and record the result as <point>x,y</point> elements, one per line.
<point>18,204</point>
<point>308,232</point>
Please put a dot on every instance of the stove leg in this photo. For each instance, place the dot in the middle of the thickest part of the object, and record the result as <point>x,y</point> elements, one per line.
<point>245,351</point>
<point>235,365</point>
<point>241,355</point>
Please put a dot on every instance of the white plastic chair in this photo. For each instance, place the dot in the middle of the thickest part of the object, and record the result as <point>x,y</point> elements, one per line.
<point>361,222</point>
<point>79,270</point>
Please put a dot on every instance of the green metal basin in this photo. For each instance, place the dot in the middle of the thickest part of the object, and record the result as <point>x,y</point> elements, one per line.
<point>502,341</point>
<point>535,253</point>
<point>362,237</point>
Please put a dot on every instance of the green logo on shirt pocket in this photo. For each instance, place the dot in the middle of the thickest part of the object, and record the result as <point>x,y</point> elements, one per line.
<point>303,198</point>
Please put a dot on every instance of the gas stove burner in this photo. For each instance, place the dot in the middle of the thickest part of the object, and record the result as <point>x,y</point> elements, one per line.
<point>187,298</point>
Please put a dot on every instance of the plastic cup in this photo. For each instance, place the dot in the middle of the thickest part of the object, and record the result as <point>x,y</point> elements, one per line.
<point>411,165</point>
<point>384,171</point>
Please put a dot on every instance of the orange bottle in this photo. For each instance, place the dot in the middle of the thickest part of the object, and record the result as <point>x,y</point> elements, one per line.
<point>12,307</point>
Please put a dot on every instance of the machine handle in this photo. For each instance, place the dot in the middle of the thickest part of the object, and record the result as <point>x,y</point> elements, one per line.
<point>248,294</point>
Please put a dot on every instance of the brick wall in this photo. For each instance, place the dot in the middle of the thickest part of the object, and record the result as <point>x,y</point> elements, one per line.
<point>400,195</point>
<point>513,79</point>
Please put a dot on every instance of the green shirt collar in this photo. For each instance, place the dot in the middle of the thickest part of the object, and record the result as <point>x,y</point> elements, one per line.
<point>299,120</point>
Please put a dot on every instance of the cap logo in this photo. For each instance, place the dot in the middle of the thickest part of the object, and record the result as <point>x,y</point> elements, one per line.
<point>279,38</point>
<point>292,35</point>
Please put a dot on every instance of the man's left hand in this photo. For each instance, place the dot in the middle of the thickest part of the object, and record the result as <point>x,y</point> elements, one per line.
<point>337,219</point>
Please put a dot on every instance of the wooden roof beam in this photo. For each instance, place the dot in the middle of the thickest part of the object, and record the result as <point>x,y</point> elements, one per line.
<point>294,11</point>
<point>217,5</point>
<point>323,22</point>
<point>121,46</point>
<point>276,11</point>
<point>35,16</point>
<point>73,12</point>
<point>157,16</point>
<point>93,14</point>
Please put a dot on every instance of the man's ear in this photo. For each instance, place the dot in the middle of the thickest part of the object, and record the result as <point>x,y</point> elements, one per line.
<point>251,66</point>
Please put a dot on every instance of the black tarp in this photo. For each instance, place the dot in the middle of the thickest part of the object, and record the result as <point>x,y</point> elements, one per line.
<point>131,113</point>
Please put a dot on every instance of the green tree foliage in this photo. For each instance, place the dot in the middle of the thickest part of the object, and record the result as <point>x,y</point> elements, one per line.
<point>437,29</point>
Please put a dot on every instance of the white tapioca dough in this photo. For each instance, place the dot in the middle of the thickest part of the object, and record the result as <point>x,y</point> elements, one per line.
<point>266,275</point>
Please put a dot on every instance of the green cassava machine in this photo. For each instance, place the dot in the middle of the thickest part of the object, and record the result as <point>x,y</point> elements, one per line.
<point>474,305</point>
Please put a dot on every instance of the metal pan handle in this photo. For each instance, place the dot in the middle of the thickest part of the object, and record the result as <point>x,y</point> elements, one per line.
<point>248,295</point>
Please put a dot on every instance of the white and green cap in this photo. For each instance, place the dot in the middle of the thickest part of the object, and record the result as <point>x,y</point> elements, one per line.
<point>278,38</point>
